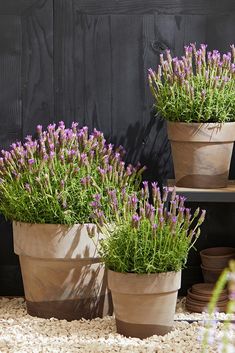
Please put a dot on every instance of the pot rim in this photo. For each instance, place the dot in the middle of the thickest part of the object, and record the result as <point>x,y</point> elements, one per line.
<point>54,224</point>
<point>217,124</point>
<point>144,274</point>
<point>217,256</point>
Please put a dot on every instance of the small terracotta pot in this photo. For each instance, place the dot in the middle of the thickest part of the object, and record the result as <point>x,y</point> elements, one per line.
<point>201,153</point>
<point>62,273</point>
<point>211,275</point>
<point>217,257</point>
<point>144,305</point>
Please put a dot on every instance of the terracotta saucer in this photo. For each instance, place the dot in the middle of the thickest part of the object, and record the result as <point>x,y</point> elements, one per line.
<point>199,308</point>
<point>205,289</point>
<point>205,298</point>
<point>203,304</point>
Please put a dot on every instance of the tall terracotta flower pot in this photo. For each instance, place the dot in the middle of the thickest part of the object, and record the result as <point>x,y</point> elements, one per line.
<point>144,305</point>
<point>62,273</point>
<point>201,153</point>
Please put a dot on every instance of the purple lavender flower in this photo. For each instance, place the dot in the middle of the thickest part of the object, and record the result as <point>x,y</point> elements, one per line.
<point>85,181</point>
<point>61,125</point>
<point>28,187</point>
<point>133,200</point>
<point>51,154</point>
<point>45,157</point>
<point>31,161</point>
<point>39,129</point>
<point>136,220</point>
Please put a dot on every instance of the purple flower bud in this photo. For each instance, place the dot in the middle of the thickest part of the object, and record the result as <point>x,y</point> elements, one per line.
<point>97,197</point>
<point>51,154</point>
<point>27,187</point>
<point>94,204</point>
<point>74,126</point>
<point>39,129</point>
<point>51,127</point>
<point>61,125</point>
<point>136,220</point>
<point>145,184</point>
<point>31,161</point>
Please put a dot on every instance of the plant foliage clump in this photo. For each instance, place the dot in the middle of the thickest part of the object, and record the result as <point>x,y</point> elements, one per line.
<point>144,237</point>
<point>199,87</point>
<point>52,179</point>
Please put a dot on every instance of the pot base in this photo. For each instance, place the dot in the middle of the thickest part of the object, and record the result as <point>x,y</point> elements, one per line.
<point>74,309</point>
<point>141,331</point>
<point>197,181</point>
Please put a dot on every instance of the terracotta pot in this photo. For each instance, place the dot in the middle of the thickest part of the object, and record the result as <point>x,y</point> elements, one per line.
<point>201,153</point>
<point>217,257</point>
<point>211,275</point>
<point>205,290</point>
<point>62,273</point>
<point>144,305</point>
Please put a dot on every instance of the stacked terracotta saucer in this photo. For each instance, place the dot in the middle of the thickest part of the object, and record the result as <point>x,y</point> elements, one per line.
<point>199,296</point>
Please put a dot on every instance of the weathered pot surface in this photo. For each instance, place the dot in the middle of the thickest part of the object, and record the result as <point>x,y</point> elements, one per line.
<point>201,153</point>
<point>62,273</point>
<point>144,305</point>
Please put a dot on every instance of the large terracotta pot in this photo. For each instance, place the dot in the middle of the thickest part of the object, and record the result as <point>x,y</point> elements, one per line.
<point>62,273</point>
<point>201,153</point>
<point>144,305</point>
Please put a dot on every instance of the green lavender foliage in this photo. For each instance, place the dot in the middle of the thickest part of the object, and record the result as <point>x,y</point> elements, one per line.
<point>53,178</point>
<point>199,87</point>
<point>147,238</point>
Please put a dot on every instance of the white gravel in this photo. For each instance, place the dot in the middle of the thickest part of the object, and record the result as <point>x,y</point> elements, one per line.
<point>21,333</point>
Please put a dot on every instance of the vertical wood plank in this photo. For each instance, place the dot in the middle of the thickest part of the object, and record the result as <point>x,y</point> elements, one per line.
<point>195,29</point>
<point>156,154</point>
<point>97,73</point>
<point>64,44</point>
<point>220,31</point>
<point>10,81</point>
<point>127,82</point>
<point>37,65</point>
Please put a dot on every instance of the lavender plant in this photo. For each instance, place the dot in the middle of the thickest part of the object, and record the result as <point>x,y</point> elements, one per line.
<point>146,237</point>
<point>198,87</point>
<point>51,179</point>
<point>225,339</point>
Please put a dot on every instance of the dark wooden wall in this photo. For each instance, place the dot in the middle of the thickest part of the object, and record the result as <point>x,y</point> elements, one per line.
<point>87,60</point>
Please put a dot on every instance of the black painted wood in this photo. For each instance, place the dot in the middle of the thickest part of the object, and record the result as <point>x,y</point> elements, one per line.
<point>136,7</point>
<point>87,60</point>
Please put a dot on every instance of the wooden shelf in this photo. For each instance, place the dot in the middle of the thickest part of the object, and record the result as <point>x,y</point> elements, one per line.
<point>206,195</point>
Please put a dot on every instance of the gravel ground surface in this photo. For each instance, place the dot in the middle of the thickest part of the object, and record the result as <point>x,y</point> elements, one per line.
<point>21,333</point>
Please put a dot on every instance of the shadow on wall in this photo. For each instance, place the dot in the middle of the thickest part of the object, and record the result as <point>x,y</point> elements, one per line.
<point>10,276</point>
<point>148,145</point>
